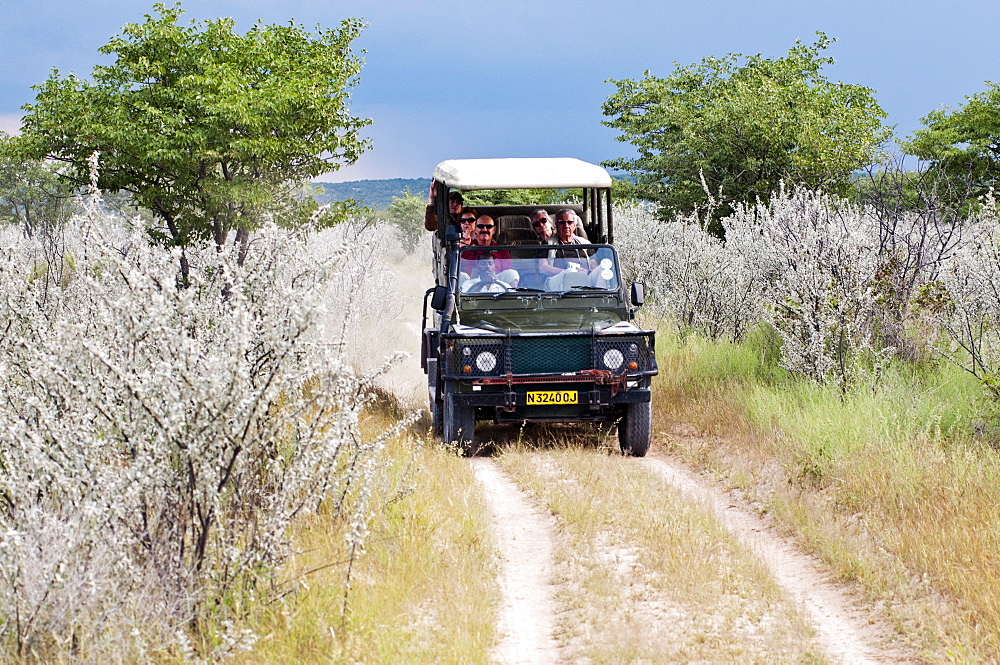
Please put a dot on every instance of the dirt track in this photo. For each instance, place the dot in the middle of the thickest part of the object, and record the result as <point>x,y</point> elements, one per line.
<point>525,535</point>
<point>845,635</point>
<point>526,532</point>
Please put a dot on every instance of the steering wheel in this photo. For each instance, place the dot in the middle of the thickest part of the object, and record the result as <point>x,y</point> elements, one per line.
<point>485,287</point>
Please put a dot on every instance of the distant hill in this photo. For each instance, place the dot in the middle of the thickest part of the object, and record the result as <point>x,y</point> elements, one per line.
<point>379,193</point>
<point>373,193</point>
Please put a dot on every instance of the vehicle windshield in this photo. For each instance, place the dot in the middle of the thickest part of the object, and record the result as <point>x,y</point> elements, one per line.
<point>538,268</point>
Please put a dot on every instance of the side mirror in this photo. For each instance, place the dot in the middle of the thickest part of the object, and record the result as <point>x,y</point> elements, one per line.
<point>638,293</point>
<point>452,234</point>
<point>439,297</point>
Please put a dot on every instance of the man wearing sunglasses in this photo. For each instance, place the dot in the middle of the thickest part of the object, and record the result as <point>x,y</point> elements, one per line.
<point>566,222</point>
<point>541,224</point>
<point>483,236</point>
<point>560,262</point>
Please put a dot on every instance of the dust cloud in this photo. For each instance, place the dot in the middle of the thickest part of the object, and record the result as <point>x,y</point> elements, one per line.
<point>411,276</point>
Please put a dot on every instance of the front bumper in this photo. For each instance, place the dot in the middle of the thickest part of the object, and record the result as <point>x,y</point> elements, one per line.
<point>599,395</point>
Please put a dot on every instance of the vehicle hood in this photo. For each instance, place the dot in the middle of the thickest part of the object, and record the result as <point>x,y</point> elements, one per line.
<point>582,320</point>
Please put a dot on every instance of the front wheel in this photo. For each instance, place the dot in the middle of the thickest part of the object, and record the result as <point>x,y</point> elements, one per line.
<point>635,429</point>
<point>459,425</point>
<point>432,393</point>
<point>436,424</point>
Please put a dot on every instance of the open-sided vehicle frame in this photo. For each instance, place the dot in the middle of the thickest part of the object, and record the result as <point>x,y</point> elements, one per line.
<point>539,347</point>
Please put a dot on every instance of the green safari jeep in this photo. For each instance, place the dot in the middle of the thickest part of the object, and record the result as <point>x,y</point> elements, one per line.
<point>522,331</point>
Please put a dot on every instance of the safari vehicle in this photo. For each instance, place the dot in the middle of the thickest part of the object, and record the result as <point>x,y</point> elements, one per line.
<point>521,345</point>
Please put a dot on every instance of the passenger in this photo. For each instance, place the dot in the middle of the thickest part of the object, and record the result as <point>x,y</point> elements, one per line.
<point>485,278</point>
<point>566,223</point>
<point>559,261</point>
<point>541,224</point>
<point>483,236</point>
<point>467,219</point>
<point>455,202</point>
<point>530,277</point>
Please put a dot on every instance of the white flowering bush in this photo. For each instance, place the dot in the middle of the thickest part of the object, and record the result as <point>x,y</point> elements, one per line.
<point>157,439</point>
<point>966,300</point>
<point>693,278</point>
<point>817,258</point>
<point>846,287</point>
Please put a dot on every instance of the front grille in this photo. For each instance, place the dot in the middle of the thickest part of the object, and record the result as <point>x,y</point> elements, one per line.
<point>498,356</point>
<point>540,355</point>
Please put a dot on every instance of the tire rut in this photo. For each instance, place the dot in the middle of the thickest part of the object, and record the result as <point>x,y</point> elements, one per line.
<point>525,536</point>
<point>845,634</point>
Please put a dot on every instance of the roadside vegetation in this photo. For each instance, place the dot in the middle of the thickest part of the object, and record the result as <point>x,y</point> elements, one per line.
<point>198,460</point>
<point>894,488</point>
<point>160,438</point>
<point>425,589</point>
<point>836,363</point>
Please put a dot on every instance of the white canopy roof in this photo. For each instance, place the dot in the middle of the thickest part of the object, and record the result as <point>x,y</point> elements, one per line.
<point>520,173</point>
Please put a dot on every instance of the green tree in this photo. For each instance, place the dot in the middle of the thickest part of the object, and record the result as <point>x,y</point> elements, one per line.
<point>508,197</point>
<point>963,145</point>
<point>406,213</point>
<point>209,129</point>
<point>739,130</point>
<point>31,194</point>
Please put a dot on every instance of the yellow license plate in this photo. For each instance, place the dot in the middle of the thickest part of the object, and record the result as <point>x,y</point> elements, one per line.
<point>552,397</point>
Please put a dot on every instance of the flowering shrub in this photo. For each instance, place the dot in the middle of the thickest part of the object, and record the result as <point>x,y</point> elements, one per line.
<point>692,277</point>
<point>845,287</point>
<point>156,441</point>
<point>966,301</point>
<point>818,258</point>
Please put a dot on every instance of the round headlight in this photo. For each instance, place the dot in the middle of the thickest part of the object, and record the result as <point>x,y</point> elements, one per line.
<point>466,351</point>
<point>613,358</point>
<point>486,361</point>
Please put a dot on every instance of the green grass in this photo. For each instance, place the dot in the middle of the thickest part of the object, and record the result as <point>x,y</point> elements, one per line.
<point>895,485</point>
<point>425,590</point>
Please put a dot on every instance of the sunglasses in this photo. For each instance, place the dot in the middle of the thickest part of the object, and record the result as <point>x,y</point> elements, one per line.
<point>564,221</point>
<point>468,220</point>
<point>484,226</point>
<point>538,222</point>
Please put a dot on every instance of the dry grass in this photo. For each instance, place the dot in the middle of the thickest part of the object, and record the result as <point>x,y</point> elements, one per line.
<point>645,576</point>
<point>425,591</point>
<point>872,483</point>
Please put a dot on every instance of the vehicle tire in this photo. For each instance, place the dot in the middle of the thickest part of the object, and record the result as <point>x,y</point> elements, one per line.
<point>436,405</point>
<point>459,425</point>
<point>635,429</point>
<point>436,419</point>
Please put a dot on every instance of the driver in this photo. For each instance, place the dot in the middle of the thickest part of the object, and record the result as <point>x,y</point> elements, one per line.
<point>484,278</point>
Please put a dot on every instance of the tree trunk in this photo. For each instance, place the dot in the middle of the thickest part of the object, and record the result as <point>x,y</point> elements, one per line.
<point>243,240</point>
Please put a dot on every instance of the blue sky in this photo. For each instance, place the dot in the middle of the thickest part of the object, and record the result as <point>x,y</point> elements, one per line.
<point>527,78</point>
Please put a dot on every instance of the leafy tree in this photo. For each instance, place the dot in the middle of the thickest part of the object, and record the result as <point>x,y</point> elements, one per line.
<point>739,130</point>
<point>406,213</point>
<point>891,189</point>
<point>209,129</point>
<point>31,194</point>
<point>505,197</point>
<point>963,145</point>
